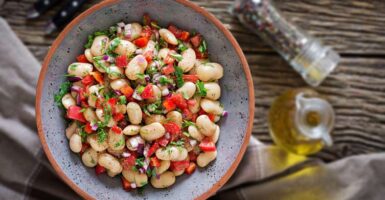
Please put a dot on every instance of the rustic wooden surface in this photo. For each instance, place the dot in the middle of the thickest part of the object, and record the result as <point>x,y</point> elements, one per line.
<point>356,89</point>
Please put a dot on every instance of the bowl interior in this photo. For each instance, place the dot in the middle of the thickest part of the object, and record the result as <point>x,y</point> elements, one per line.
<point>235,97</point>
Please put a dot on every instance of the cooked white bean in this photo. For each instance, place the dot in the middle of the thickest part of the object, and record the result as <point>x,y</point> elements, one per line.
<point>89,115</point>
<point>115,72</point>
<point>172,153</point>
<point>133,30</point>
<point>132,143</point>
<point>194,132</point>
<point>68,101</point>
<point>134,113</point>
<point>175,116</point>
<point>168,36</point>
<point>165,180</point>
<point>194,108</point>
<point>125,48</point>
<point>163,53</point>
<point>118,84</point>
<point>157,94</point>
<point>152,131</point>
<point>129,175</point>
<point>141,179</point>
<point>154,118</point>
<point>75,143</point>
<point>215,137</point>
<point>115,141</point>
<point>120,108</point>
<point>187,90</point>
<point>131,130</point>
<point>205,125</point>
<point>101,65</point>
<point>89,55</point>
<point>205,158</point>
<point>100,114</point>
<point>164,165</point>
<point>210,106</point>
<point>111,164</point>
<point>99,45</point>
<point>135,177</point>
<point>213,90</point>
<point>136,66</point>
<point>209,71</point>
<point>93,140</point>
<point>90,157</point>
<point>188,61</point>
<point>79,69</point>
<point>116,153</point>
<point>178,172</point>
<point>71,129</point>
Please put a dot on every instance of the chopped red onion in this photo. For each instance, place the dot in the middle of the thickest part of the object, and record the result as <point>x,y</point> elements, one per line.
<point>75,88</point>
<point>193,142</point>
<point>94,126</point>
<point>78,100</point>
<point>118,92</point>
<point>141,170</point>
<point>126,154</point>
<point>73,78</point>
<point>145,151</point>
<point>169,95</point>
<point>127,31</point>
<point>165,92</point>
<point>157,176</point>
<point>171,87</point>
<point>146,163</point>
<point>105,57</point>
<point>225,113</point>
<point>133,185</point>
<point>167,135</point>
<point>137,96</point>
<point>140,149</point>
<point>147,78</point>
<point>134,143</point>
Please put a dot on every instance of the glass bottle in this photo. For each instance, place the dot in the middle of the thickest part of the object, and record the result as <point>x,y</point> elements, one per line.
<point>300,121</point>
<point>306,55</point>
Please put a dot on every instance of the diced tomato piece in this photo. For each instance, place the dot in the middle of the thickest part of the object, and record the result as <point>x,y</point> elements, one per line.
<point>192,156</point>
<point>154,162</point>
<point>169,60</point>
<point>121,61</point>
<point>191,168</point>
<point>82,94</point>
<point>179,101</point>
<point>146,32</point>
<point>190,78</point>
<point>169,69</point>
<point>211,116</point>
<point>172,127</point>
<point>98,103</point>
<point>98,77</point>
<point>148,55</point>
<point>179,165</point>
<point>125,184</point>
<point>99,169</point>
<point>196,40</point>
<point>84,148</point>
<point>194,117</point>
<point>112,101</point>
<point>174,30</point>
<point>88,128</point>
<point>152,149</point>
<point>191,102</point>
<point>147,93</point>
<point>184,36</point>
<point>207,145</point>
<point>116,129</point>
<point>162,141</point>
<point>146,19</point>
<point>127,91</point>
<point>187,114</point>
<point>118,116</point>
<point>82,58</point>
<point>87,80</point>
<point>74,113</point>
<point>200,55</point>
<point>169,105</point>
<point>141,42</point>
<point>128,162</point>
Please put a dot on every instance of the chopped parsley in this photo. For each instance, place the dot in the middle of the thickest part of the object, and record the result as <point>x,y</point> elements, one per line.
<point>154,25</point>
<point>182,47</point>
<point>177,57</point>
<point>111,33</point>
<point>179,76</point>
<point>140,76</point>
<point>139,162</point>
<point>82,134</point>
<point>99,64</point>
<point>63,90</point>
<point>202,91</point>
<point>187,124</point>
<point>102,135</point>
<point>120,143</point>
<point>140,89</point>
<point>82,110</point>
<point>114,44</point>
<point>123,100</point>
<point>151,70</point>
<point>107,112</point>
<point>164,80</point>
<point>73,67</point>
<point>179,143</point>
<point>186,134</point>
<point>203,47</point>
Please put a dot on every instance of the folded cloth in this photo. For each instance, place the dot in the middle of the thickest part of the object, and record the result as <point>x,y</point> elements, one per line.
<point>266,172</point>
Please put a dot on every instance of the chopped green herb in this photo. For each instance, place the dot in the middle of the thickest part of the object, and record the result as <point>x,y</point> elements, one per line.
<point>107,112</point>
<point>82,110</point>
<point>73,67</point>
<point>164,81</point>
<point>203,47</point>
<point>108,95</point>
<point>177,57</point>
<point>151,70</point>
<point>120,143</point>
<point>140,76</point>
<point>82,134</point>
<point>162,43</point>
<point>63,90</point>
<point>114,44</point>
<point>102,135</point>
<point>182,47</point>
<point>123,100</point>
<point>140,89</point>
<point>202,91</point>
<point>157,46</point>
<point>154,25</point>
<point>99,64</point>
<point>187,124</point>
<point>134,169</point>
<point>179,143</point>
<point>139,162</point>
<point>186,134</point>
<point>185,95</point>
<point>146,111</point>
<point>69,75</point>
<point>179,76</point>
<point>90,40</point>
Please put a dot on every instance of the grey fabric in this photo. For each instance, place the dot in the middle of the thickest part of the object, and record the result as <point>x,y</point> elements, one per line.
<point>266,172</point>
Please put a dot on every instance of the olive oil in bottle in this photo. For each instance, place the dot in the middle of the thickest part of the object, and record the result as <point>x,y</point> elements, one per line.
<point>300,121</point>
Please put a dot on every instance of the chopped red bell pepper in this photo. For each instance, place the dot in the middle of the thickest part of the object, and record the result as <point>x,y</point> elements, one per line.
<point>118,116</point>
<point>88,128</point>
<point>128,162</point>
<point>179,101</point>
<point>210,115</point>
<point>141,42</point>
<point>152,149</point>
<point>154,161</point>
<point>125,184</point>
<point>190,78</point>
<point>127,91</point>
<point>196,40</point>
<point>169,105</point>
<point>82,58</point>
<point>191,168</point>
<point>172,128</point>
<point>184,36</point>
<point>207,145</point>
<point>74,113</point>
<point>99,169</point>
<point>169,69</point>
<point>116,129</point>
<point>162,141</point>
<point>147,93</point>
<point>121,61</point>
<point>200,55</point>
<point>87,80</point>
<point>179,165</point>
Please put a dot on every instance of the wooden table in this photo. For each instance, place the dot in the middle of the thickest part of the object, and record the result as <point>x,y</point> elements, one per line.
<point>356,88</point>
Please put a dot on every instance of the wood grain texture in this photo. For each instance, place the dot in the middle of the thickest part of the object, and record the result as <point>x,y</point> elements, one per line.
<point>356,89</point>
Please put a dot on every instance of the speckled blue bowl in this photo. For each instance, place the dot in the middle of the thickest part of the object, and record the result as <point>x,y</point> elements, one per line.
<point>237,97</point>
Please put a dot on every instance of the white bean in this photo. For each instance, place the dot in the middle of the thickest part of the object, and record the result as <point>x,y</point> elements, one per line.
<point>172,153</point>
<point>213,90</point>
<point>212,107</point>
<point>79,69</point>
<point>134,113</point>
<point>136,66</point>
<point>118,84</point>
<point>78,84</point>
<point>99,45</point>
<point>125,48</point>
<point>163,53</point>
<point>133,31</point>
<point>115,72</point>
<point>116,153</point>
<point>209,71</point>
<point>141,179</point>
<point>154,118</point>
<point>120,108</point>
<point>129,175</point>
<point>188,61</point>
<point>111,163</point>
<point>71,129</point>
<point>76,143</point>
<point>195,107</point>
<point>131,130</point>
<point>187,90</point>
<point>178,172</point>
<point>93,140</point>
<point>164,165</point>
<point>90,157</point>
<point>89,115</point>
<point>165,180</point>
<point>215,137</point>
<point>115,141</point>
<point>194,132</point>
<point>101,65</point>
<point>175,116</point>
<point>157,94</point>
<point>168,36</point>
<point>68,101</point>
<point>100,114</point>
<point>205,158</point>
<point>89,55</point>
<point>132,143</point>
<point>205,125</point>
<point>152,131</point>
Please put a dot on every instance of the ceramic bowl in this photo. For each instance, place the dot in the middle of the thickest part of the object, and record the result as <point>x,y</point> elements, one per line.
<point>237,97</point>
